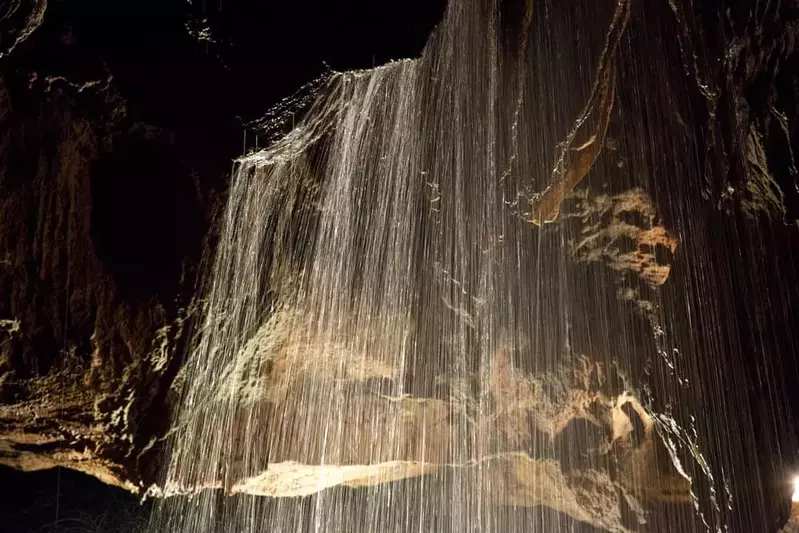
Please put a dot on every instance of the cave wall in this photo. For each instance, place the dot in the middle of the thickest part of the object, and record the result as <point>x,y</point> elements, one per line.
<point>117,128</point>
<point>103,221</point>
<point>118,125</point>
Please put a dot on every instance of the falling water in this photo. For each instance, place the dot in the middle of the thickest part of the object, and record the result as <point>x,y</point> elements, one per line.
<point>406,329</point>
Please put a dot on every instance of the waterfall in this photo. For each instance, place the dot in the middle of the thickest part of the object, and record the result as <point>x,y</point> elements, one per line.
<point>420,316</point>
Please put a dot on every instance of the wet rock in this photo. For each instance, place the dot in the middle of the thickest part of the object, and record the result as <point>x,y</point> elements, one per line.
<point>117,129</point>
<point>793,522</point>
<point>623,232</point>
<point>18,20</point>
<point>83,373</point>
<point>110,174</point>
<point>561,439</point>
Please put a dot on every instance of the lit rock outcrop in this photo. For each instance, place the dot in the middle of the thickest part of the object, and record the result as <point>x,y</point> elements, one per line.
<point>572,440</point>
<point>18,20</point>
<point>623,232</point>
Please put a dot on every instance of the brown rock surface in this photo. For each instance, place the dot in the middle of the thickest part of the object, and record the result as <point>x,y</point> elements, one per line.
<point>18,20</point>
<point>91,311</point>
<point>87,340</point>
<point>526,440</point>
<point>623,232</point>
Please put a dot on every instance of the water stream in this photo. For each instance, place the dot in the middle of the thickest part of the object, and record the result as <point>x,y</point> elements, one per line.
<point>436,306</point>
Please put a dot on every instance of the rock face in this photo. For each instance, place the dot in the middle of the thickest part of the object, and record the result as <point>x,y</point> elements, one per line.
<point>108,185</point>
<point>793,522</point>
<point>111,174</point>
<point>88,331</point>
<point>19,19</point>
<point>526,442</point>
<point>622,231</point>
<point>753,93</point>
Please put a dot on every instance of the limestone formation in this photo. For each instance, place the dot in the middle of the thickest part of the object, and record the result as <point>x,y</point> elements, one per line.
<point>18,20</point>
<point>524,438</point>
<point>623,232</point>
<point>111,176</point>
